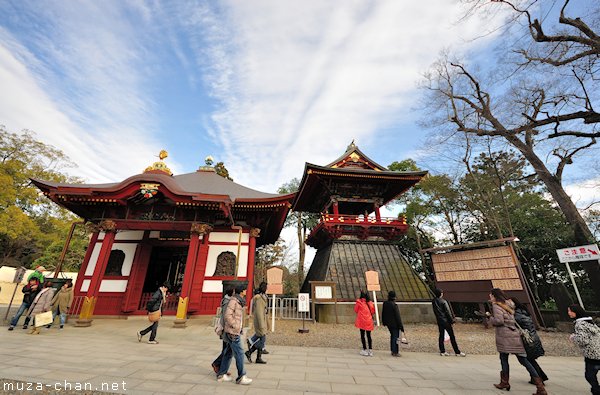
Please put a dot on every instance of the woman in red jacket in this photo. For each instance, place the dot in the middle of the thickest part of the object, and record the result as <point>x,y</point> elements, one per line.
<point>364,310</point>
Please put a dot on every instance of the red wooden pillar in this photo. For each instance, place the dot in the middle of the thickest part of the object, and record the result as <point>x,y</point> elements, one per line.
<point>135,283</point>
<point>254,233</point>
<point>86,261</point>
<point>89,303</point>
<point>200,271</point>
<point>377,214</point>
<point>336,211</point>
<point>188,277</point>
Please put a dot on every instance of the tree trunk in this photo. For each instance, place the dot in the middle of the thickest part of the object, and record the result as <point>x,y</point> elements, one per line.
<point>301,252</point>
<point>581,231</point>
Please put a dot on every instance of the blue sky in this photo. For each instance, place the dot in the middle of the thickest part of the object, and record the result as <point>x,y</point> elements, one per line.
<point>262,85</point>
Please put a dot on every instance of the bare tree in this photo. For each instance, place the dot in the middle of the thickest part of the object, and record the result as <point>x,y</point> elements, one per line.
<point>525,116</point>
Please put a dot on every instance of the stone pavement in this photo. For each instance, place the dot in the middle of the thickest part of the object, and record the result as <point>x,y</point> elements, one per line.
<point>108,352</point>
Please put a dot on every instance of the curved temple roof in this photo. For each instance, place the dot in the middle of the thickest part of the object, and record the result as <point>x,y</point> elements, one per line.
<point>204,183</point>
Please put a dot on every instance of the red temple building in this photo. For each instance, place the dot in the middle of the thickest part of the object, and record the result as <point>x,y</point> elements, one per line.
<point>196,230</point>
<point>352,237</point>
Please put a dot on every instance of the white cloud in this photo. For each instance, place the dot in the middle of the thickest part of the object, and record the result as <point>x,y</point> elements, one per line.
<point>584,193</point>
<point>299,81</point>
<point>81,90</point>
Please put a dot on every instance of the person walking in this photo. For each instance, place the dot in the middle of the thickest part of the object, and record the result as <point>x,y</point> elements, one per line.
<point>364,310</point>
<point>587,337</point>
<point>41,304</point>
<point>155,305</point>
<point>61,303</point>
<point>390,317</point>
<point>224,302</point>
<point>535,349</point>
<point>508,340</point>
<point>30,291</point>
<point>259,320</point>
<point>445,319</point>
<point>232,333</point>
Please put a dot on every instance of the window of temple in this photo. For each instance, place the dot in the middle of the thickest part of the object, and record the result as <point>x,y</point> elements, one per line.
<point>115,263</point>
<point>225,264</point>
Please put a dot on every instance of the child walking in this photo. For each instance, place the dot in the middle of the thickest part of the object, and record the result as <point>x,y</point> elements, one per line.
<point>364,310</point>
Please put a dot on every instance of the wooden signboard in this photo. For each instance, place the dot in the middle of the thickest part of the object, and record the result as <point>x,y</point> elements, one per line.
<point>496,264</point>
<point>468,275</point>
<point>323,291</point>
<point>275,281</point>
<point>373,285</point>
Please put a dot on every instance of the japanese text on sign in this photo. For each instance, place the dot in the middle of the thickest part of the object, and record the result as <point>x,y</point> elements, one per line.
<point>579,253</point>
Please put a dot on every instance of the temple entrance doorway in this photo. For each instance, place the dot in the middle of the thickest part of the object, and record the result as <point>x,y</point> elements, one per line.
<point>166,264</point>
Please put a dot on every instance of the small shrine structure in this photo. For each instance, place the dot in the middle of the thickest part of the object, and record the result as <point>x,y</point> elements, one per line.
<point>352,237</point>
<point>195,230</point>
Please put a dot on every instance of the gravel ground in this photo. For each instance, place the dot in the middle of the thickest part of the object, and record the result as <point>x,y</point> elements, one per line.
<point>471,338</point>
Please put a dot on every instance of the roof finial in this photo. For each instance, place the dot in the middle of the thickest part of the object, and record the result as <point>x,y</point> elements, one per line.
<point>159,166</point>
<point>352,145</point>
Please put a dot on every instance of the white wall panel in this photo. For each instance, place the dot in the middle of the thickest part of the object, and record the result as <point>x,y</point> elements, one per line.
<point>130,235</point>
<point>93,259</point>
<point>212,286</point>
<point>113,285</point>
<point>85,285</point>
<point>227,237</point>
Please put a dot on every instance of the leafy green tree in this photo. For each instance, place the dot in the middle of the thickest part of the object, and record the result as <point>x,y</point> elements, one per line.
<point>29,222</point>
<point>303,222</point>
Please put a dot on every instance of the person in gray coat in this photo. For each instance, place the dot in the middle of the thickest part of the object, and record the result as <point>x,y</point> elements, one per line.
<point>41,304</point>
<point>508,340</point>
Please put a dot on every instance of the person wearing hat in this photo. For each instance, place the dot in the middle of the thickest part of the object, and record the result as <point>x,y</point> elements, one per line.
<point>38,273</point>
<point>155,304</point>
<point>390,317</point>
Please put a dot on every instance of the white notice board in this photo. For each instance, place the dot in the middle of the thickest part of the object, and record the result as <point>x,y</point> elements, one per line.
<point>303,305</point>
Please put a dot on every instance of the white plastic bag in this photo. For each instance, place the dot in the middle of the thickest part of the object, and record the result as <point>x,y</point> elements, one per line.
<point>446,336</point>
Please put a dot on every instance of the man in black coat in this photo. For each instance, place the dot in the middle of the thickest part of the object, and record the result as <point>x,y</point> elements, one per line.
<point>390,317</point>
<point>445,319</point>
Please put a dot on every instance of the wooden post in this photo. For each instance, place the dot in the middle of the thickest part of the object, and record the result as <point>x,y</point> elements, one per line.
<point>376,308</point>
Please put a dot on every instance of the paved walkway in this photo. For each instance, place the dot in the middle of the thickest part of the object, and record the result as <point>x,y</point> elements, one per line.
<point>108,352</point>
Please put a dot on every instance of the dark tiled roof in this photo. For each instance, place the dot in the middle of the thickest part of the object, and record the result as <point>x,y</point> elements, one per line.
<point>199,182</point>
<point>346,261</point>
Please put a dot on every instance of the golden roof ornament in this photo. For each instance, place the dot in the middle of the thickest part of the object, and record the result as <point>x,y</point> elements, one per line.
<point>208,164</point>
<point>160,166</point>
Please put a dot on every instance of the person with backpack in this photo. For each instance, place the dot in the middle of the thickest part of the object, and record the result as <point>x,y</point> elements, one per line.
<point>30,291</point>
<point>219,330</point>
<point>232,333</point>
<point>445,319</point>
<point>154,307</point>
<point>259,320</point>
<point>364,310</point>
<point>390,317</point>
<point>587,337</point>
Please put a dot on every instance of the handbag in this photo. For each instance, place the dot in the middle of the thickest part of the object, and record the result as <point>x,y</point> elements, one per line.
<point>154,316</point>
<point>42,319</point>
<point>525,335</point>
